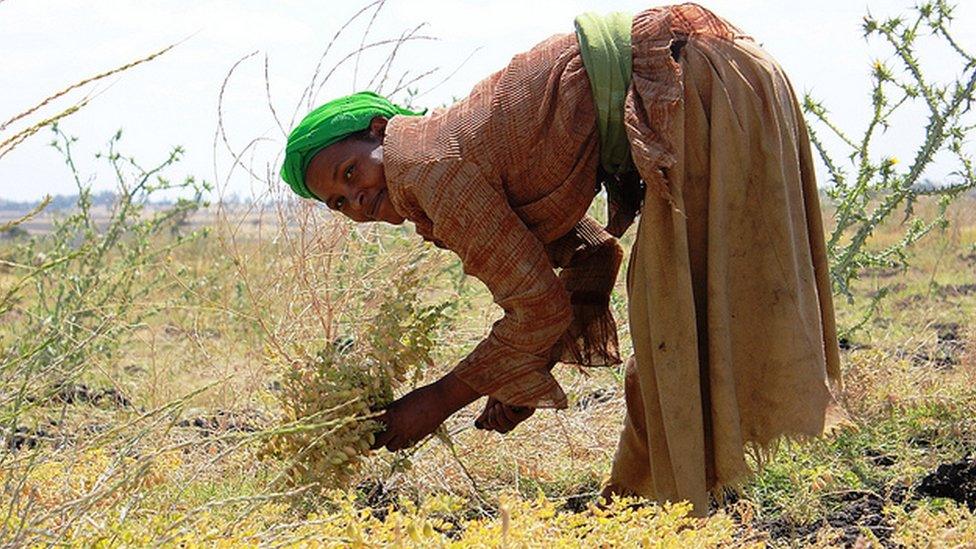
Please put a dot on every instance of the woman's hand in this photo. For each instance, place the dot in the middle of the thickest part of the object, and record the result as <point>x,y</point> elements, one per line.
<point>500,417</point>
<point>420,412</point>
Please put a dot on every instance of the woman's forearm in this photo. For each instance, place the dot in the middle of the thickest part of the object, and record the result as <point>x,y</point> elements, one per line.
<point>454,393</point>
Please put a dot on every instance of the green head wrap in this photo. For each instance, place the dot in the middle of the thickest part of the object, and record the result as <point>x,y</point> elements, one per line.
<point>328,124</point>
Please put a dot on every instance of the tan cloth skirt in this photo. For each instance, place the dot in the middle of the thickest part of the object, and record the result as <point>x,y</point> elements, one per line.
<point>730,307</point>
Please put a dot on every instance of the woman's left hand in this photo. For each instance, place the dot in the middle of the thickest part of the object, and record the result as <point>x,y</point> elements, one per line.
<point>500,417</point>
<point>420,412</point>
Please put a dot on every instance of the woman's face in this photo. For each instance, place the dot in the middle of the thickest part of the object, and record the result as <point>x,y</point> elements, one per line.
<point>348,176</point>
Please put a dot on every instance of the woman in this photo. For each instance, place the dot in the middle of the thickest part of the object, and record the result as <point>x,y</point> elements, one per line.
<point>729,301</point>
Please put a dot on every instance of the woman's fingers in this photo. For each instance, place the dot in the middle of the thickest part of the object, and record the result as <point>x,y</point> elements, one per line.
<point>490,423</point>
<point>389,437</point>
<point>500,417</point>
<point>502,423</point>
<point>511,417</point>
<point>522,413</point>
<point>485,420</point>
<point>480,421</point>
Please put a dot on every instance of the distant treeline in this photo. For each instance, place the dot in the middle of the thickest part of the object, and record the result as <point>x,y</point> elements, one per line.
<point>61,202</point>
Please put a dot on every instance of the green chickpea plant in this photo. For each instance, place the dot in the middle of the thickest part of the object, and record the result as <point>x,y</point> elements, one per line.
<point>337,391</point>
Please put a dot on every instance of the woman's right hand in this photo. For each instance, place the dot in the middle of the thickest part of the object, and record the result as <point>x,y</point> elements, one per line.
<point>500,417</point>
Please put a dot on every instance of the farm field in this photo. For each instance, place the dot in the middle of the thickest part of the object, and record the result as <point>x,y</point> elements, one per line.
<point>183,367</point>
<point>156,433</point>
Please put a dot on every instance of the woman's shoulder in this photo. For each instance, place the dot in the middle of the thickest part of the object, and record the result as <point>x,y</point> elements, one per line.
<point>508,108</point>
<point>527,130</point>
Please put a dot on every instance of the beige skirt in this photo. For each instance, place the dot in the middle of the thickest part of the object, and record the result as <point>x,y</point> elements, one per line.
<point>730,306</point>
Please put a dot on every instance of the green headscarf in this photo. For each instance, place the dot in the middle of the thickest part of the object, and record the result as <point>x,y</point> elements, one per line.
<point>328,124</point>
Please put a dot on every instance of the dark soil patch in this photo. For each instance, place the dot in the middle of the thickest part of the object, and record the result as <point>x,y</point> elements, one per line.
<point>74,393</point>
<point>879,458</point>
<point>79,393</point>
<point>113,397</point>
<point>908,302</point>
<point>599,396</point>
<point>223,421</point>
<point>856,512</point>
<point>969,258</point>
<point>948,332</point>
<point>956,481</point>
<point>956,290</point>
<point>887,290</point>
<point>586,492</point>
<point>937,359</point>
<point>382,497</point>
<point>134,370</point>
<point>24,438</point>
<point>950,340</point>
<point>846,344</point>
<point>579,502</point>
<point>96,428</point>
<point>377,496</point>
<point>950,344</point>
<point>922,440</point>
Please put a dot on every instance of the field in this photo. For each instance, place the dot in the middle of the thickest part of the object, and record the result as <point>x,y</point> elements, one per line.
<point>153,436</point>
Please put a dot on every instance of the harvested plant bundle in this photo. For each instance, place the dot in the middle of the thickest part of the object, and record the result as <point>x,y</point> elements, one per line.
<point>330,399</point>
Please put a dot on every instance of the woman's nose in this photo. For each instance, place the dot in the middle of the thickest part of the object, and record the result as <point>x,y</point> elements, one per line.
<point>360,200</point>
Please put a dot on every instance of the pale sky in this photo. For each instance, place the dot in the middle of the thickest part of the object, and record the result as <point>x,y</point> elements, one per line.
<point>48,44</point>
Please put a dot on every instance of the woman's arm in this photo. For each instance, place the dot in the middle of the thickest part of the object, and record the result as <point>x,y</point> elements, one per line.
<point>421,412</point>
<point>472,218</point>
<point>590,260</point>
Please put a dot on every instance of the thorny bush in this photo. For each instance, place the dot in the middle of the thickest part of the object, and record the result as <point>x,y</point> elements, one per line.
<point>868,188</point>
<point>77,295</point>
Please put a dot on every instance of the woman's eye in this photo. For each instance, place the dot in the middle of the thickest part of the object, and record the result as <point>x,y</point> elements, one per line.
<point>349,173</point>
<point>339,203</point>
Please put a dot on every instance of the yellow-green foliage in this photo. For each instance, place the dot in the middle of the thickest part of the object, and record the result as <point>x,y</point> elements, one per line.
<point>517,523</point>
<point>54,487</point>
<point>437,521</point>
<point>947,525</point>
<point>329,399</point>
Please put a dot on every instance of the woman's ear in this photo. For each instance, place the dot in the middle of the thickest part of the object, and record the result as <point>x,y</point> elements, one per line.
<point>377,127</point>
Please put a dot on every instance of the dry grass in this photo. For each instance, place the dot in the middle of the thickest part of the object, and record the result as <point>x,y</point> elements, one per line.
<point>157,444</point>
<point>909,391</point>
